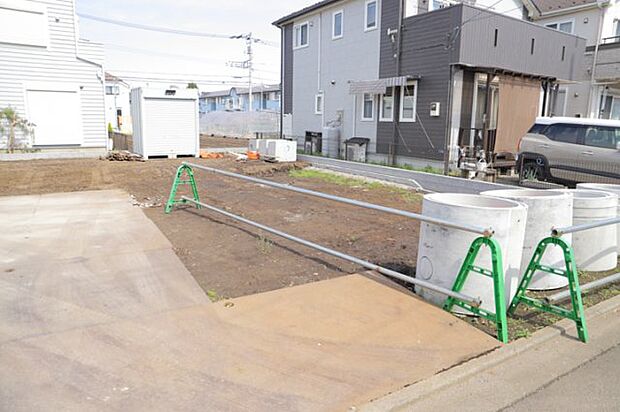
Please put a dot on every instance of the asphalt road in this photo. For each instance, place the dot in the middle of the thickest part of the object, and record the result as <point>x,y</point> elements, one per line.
<point>594,386</point>
<point>427,181</point>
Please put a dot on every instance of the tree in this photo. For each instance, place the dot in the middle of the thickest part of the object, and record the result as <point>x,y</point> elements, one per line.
<point>192,85</point>
<point>11,122</point>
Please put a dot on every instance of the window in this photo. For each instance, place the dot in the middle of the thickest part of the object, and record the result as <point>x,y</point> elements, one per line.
<point>411,8</point>
<point>386,109</point>
<point>371,15</point>
<point>112,90</point>
<point>368,107</point>
<point>565,26</point>
<point>564,133</point>
<point>337,24</point>
<point>537,128</point>
<point>23,23</point>
<point>301,35</point>
<point>408,96</point>
<point>603,137</point>
<point>437,4</point>
<point>318,104</point>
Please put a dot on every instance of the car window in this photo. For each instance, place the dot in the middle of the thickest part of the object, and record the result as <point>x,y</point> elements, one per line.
<point>537,128</point>
<point>604,137</point>
<point>565,133</point>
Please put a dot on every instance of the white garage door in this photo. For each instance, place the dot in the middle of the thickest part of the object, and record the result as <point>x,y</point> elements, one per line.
<point>170,126</point>
<point>56,115</point>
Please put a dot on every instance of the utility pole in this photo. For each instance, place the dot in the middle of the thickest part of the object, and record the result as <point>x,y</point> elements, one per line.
<point>246,64</point>
<point>249,41</point>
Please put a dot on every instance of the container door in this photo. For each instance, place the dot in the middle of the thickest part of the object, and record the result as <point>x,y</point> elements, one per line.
<point>170,126</point>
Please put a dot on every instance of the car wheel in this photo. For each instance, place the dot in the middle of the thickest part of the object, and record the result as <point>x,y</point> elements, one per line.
<point>532,171</point>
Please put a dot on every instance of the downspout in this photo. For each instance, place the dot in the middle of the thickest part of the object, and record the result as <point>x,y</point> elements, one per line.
<point>601,5</point>
<point>448,139</point>
<point>398,50</point>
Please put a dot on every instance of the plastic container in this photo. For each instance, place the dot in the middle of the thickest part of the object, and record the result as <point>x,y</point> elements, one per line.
<point>611,188</point>
<point>595,249</point>
<point>546,209</point>
<point>441,251</point>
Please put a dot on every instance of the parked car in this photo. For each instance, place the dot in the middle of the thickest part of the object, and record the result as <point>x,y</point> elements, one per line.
<point>571,150</point>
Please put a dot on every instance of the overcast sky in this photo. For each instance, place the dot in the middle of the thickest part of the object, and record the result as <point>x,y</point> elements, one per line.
<point>132,53</point>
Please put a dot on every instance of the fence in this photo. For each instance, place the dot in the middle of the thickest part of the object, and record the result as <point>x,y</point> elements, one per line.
<point>240,124</point>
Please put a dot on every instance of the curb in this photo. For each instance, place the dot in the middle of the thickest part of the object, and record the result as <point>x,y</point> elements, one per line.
<point>422,389</point>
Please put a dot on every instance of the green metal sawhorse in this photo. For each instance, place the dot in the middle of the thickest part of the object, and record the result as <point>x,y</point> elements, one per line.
<point>576,313</point>
<point>180,180</point>
<point>496,273</point>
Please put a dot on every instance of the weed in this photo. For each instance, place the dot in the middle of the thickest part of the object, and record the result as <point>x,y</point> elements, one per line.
<point>264,245</point>
<point>213,295</point>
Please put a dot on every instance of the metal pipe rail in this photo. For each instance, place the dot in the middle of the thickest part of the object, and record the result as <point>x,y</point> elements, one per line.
<point>557,232</point>
<point>368,265</point>
<point>487,232</point>
<point>595,284</point>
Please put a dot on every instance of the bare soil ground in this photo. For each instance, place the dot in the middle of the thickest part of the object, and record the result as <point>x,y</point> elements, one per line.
<point>229,259</point>
<point>207,141</point>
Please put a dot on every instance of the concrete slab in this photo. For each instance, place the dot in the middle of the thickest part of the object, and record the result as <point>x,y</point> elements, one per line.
<point>111,320</point>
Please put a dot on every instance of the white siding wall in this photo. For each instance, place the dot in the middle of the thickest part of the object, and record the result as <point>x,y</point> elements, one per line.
<point>57,65</point>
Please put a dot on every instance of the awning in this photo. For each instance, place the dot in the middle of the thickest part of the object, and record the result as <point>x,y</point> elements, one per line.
<point>377,86</point>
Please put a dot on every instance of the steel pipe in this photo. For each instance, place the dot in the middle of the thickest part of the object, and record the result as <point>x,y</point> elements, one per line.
<point>487,232</point>
<point>557,232</point>
<point>595,284</point>
<point>368,265</point>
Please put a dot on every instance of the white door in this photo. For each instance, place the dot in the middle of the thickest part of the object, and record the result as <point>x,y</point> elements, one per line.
<point>170,127</point>
<point>56,116</point>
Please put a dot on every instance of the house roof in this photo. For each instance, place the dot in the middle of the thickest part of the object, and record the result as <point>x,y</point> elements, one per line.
<point>113,79</point>
<point>550,6</point>
<point>242,90</point>
<point>303,11</point>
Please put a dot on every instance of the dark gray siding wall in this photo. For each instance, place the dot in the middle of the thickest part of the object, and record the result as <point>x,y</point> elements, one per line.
<point>287,70</point>
<point>427,51</point>
<point>513,50</point>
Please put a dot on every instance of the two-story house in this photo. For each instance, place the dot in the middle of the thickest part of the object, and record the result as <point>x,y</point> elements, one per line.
<point>264,97</point>
<point>117,104</point>
<point>51,76</point>
<point>419,80</point>
<point>596,91</point>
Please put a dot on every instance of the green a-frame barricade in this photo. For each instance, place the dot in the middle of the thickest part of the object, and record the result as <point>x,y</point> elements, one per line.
<point>180,180</point>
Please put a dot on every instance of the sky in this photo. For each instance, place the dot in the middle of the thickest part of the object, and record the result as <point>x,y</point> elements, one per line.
<point>140,56</point>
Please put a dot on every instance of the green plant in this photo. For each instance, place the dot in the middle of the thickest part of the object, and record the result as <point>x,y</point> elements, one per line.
<point>110,128</point>
<point>10,123</point>
<point>264,245</point>
<point>192,85</point>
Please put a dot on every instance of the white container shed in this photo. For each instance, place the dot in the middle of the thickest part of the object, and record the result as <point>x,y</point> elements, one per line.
<point>165,122</point>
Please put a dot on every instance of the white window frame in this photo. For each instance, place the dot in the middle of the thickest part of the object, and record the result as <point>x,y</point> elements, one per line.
<point>27,7</point>
<point>318,109</point>
<point>366,28</point>
<point>334,36</point>
<point>431,5</point>
<point>557,25</point>
<point>296,40</point>
<point>415,102</point>
<point>386,119</point>
<point>372,113</point>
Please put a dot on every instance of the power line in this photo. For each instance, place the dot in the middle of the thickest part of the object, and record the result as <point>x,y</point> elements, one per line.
<point>169,30</point>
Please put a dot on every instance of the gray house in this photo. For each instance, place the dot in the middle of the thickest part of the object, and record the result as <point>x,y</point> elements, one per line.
<point>420,81</point>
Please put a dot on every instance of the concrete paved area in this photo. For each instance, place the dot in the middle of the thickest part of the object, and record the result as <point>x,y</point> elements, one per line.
<point>592,386</point>
<point>98,313</point>
<point>550,371</point>
<point>428,181</point>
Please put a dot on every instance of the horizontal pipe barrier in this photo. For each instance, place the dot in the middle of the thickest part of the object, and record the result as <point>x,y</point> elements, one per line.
<point>487,232</point>
<point>595,284</point>
<point>368,265</point>
<point>556,232</point>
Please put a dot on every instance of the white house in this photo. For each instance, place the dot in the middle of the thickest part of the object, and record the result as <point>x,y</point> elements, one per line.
<point>117,104</point>
<point>51,76</point>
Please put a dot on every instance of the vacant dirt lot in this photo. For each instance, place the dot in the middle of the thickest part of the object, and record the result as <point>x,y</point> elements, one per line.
<point>227,258</point>
<point>207,142</point>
